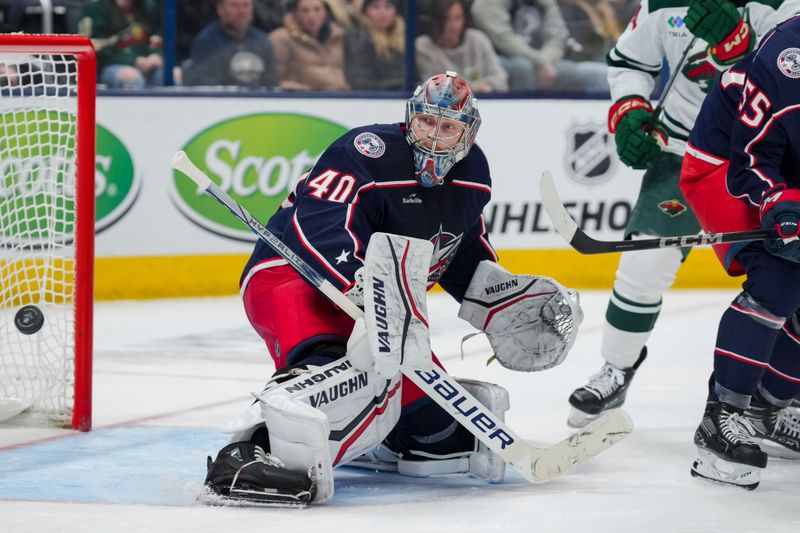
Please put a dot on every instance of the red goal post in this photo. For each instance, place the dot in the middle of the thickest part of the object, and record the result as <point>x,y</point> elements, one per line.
<point>47,214</point>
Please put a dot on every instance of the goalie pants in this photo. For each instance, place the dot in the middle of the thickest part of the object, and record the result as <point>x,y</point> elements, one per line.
<point>293,317</point>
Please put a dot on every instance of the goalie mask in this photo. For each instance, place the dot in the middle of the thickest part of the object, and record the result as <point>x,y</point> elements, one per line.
<point>442,120</point>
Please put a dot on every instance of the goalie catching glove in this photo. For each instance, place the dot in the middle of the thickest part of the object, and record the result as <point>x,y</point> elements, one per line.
<point>530,321</point>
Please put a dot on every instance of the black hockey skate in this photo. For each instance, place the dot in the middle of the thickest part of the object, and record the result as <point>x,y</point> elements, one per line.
<point>605,390</point>
<point>777,430</point>
<point>245,475</point>
<point>726,451</point>
<point>794,407</point>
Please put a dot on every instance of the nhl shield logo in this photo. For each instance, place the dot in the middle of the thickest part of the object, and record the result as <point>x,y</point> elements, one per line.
<point>672,207</point>
<point>590,153</point>
<point>370,144</point>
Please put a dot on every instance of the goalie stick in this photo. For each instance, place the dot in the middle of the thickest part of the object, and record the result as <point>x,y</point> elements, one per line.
<point>534,464</point>
<point>579,240</point>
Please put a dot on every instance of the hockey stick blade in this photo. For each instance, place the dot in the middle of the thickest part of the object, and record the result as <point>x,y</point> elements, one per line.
<point>582,445</point>
<point>565,226</point>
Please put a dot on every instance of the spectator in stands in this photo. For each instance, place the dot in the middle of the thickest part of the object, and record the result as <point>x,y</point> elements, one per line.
<point>531,37</point>
<point>593,27</point>
<point>374,57</point>
<point>125,34</point>
<point>192,16</point>
<point>343,12</point>
<point>230,51</point>
<point>268,14</point>
<point>451,45</point>
<point>309,49</point>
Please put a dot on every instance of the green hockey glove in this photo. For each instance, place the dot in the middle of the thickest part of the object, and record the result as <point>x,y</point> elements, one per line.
<point>628,120</point>
<point>712,20</point>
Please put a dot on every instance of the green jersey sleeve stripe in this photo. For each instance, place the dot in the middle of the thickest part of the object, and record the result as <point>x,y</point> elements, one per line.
<point>615,56</point>
<point>672,124</point>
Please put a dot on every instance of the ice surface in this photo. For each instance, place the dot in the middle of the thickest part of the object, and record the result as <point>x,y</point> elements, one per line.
<point>169,374</point>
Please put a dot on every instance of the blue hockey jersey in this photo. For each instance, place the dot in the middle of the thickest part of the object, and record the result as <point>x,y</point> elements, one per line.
<point>765,140</point>
<point>364,183</point>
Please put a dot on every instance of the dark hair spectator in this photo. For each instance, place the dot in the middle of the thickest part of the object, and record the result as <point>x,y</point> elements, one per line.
<point>268,14</point>
<point>309,49</point>
<point>126,37</point>
<point>531,37</point>
<point>375,49</point>
<point>230,51</point>
<point>451,45</point>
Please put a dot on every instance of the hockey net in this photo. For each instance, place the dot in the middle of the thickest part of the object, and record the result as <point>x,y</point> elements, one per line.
<point>47,129</point>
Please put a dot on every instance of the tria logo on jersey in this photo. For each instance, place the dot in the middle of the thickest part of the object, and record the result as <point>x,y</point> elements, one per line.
<point>675,22</point>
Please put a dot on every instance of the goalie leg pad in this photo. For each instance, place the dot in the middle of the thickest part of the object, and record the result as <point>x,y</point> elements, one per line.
<point>395,318</point>
<point>465,454</point>
<point>298,434</point>
<point>322,417</point>
<point>331,425</point>
<point>530,321</point>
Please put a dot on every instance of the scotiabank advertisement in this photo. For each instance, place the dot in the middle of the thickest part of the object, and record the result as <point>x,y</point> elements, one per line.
<point>256,149</point>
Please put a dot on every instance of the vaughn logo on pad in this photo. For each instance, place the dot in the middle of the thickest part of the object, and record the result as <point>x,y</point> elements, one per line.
<point>256,159</point>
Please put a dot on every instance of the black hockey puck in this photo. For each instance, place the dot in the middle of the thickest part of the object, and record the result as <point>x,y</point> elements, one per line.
<point>29,319</point>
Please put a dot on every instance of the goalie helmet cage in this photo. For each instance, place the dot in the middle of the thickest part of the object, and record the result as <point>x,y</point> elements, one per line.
<point>47,215</point>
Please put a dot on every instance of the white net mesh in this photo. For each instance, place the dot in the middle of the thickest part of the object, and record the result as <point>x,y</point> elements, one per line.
<point>38,114</point>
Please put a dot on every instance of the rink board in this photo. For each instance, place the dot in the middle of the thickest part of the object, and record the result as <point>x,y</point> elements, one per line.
<point>157,237</point>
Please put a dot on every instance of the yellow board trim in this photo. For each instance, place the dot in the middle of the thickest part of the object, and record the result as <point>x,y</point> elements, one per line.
<point>218,275</point>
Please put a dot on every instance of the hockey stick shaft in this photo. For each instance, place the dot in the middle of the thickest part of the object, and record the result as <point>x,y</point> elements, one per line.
<point>534,464</point>
<point>566,226</point>
<point>182,162</point>
<point>668,87</point>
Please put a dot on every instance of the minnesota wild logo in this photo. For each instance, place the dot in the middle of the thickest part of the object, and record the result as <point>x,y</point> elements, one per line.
<point>672,207</point>
<point>698,69</point>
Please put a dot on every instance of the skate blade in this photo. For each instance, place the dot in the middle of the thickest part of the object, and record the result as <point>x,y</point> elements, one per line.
<point>717,470</point>
<point>254,499</point>
<point>774,449</point>
<point>578,419</point>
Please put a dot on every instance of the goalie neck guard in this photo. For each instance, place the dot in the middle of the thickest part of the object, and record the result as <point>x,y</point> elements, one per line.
<point>442,121</point>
